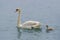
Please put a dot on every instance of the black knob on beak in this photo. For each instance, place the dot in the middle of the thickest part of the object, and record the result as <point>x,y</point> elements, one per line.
<point>17,10</point>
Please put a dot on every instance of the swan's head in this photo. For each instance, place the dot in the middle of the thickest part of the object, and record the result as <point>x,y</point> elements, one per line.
<point>18,10</point>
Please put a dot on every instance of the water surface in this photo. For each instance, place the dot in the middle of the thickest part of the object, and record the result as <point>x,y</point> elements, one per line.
<point>44,11</point>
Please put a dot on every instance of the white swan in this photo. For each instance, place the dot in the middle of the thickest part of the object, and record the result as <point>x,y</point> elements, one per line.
<point>27,24</point>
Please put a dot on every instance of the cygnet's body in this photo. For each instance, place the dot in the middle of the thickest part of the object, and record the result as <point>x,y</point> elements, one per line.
<point>49,28</point>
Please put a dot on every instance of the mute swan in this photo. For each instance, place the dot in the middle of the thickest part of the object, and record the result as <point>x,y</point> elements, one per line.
<point>27,24</point>
<point>49,28</point>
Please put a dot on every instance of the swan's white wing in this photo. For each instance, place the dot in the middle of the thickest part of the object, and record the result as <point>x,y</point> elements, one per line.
<point>29,24</point>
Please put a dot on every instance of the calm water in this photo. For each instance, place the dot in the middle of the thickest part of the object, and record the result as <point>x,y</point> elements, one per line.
<point>45,11</point>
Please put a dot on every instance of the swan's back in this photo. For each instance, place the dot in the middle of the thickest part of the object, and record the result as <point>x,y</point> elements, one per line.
<point>30,24</point>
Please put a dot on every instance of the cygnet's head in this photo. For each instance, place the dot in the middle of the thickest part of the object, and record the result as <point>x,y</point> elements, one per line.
<point>47,26</point>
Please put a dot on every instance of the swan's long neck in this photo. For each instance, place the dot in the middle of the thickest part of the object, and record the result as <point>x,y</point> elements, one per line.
<point>19,19</point>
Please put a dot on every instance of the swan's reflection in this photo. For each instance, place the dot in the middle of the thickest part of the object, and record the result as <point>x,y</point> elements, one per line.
<point>33,31</point>
<point>19,33</point>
